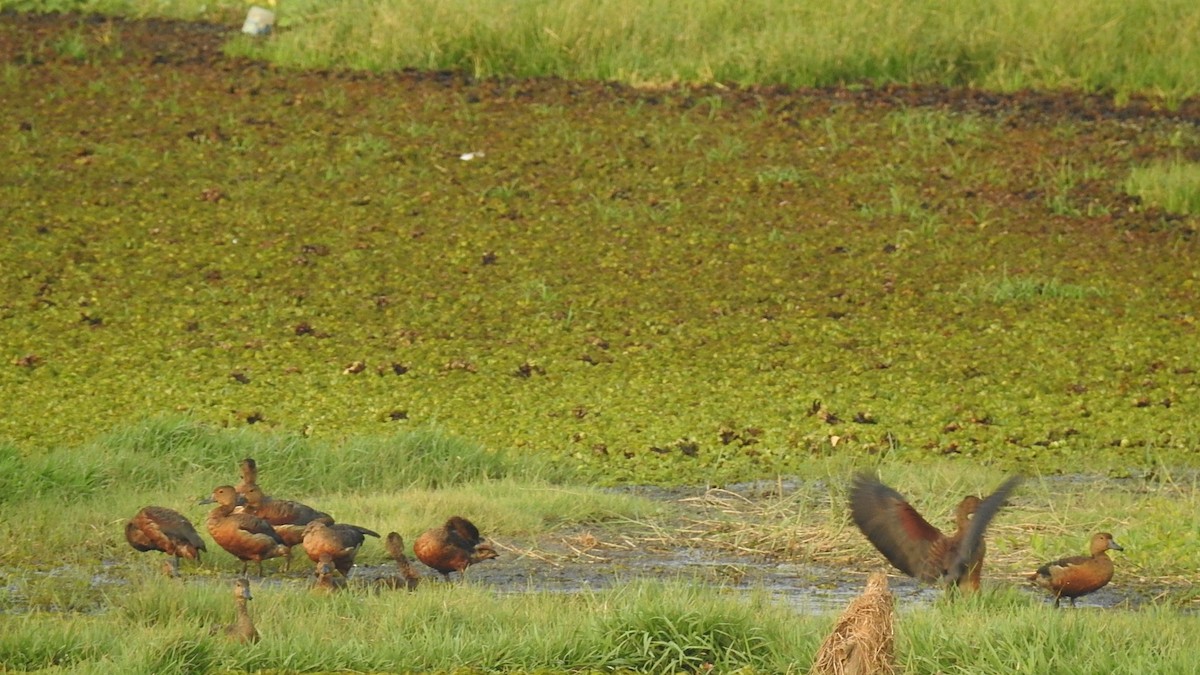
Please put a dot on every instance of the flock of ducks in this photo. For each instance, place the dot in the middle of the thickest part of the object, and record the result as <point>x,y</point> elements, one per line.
<point>253,527</point>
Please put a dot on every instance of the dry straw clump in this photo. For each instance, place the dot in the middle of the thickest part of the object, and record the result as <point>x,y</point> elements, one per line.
<point>863,640</point>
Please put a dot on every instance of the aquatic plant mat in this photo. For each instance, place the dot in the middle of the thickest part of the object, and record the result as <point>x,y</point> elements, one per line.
<point>672,286</point>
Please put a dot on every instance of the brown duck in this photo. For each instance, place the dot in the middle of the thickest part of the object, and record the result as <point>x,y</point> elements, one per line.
<point>917,548</point>
<point>406,576</point>
<point>157,528</point>
<point>249,475</point>
<point>338,541</point>
<point>453,547</point>
<point>326,578</point>
<point>1079,575</point>
<point>246,536</point>
<point>242,629</point>
<point>287,517</point>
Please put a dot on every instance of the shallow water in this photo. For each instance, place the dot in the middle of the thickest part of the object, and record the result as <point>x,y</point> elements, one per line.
<point>572,562</point>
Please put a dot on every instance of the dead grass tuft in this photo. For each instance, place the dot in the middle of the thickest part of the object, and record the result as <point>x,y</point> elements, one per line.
<point>863,640</point>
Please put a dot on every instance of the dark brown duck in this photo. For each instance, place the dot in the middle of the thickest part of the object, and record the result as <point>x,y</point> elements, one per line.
<point>288,517</point>
<point>339,541</point>
<point>406,576</point>
<point>453,547</point>
<point>917,548</point>
<point>326,578</point>
<point>249,470</point>
<point>157,528</point>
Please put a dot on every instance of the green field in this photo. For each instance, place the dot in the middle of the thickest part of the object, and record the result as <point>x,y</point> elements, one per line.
<point>685,258</point>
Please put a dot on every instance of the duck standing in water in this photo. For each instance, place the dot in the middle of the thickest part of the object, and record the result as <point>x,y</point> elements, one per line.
<point>340,542</point>
<point>287,517</point>
<point>1079,575</point>
<point>917,548</point>
<point>246,536</point>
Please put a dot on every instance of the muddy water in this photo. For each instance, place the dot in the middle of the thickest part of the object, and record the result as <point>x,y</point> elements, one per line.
<point>806,588</point>
<point>578,562</point>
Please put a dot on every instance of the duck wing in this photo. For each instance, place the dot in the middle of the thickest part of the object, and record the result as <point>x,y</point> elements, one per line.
<point>971,545</point>
<point>893,526</point>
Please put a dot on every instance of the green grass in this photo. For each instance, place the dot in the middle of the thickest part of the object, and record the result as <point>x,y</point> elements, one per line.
<point>1003,633</point>
<point>161,626</point>
<point>80,599</point>
<point>406,483</point>
<point>1123,48</point>
<point>1172,185</point>
<point>1005,288</point>
<point>165,451</point>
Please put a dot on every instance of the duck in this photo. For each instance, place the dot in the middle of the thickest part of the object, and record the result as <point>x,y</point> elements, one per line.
<point>407,576</point>
<point>249,475</point>
<point>340,541</point>
<point>288,517</point>
<point>917,548</point>
<point>246,536</point>
<point>325,576</point>
<point>241,630</point>
<point>863,641</point>
<point>158,528</point>
<point>453,547</point>
<point>1079,575</point>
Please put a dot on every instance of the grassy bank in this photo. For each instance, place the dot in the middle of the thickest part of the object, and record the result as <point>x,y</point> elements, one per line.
<point>81,600</point>
<point>67,508</point>
<point>1142,47</point>
<point>161,627</point>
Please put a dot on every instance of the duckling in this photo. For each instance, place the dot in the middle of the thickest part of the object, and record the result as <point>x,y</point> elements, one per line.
<point>1079,575</point>
<point>241,630</point>
<point>157,528</point>
<point>249,475</point>
<point>339,541</point>
<point>246,536</point>
<point>326,579</point>
<point>453,547</point>
<point>917,548</point>
<point>287,517</point>
<point>408,577</point>
<point>863,640</point>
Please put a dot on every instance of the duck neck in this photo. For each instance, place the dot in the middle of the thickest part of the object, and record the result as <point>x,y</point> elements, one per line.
<point>244,625</point>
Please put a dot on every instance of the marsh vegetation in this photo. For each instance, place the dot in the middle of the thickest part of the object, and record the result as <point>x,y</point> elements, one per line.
<point>417,293</point>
